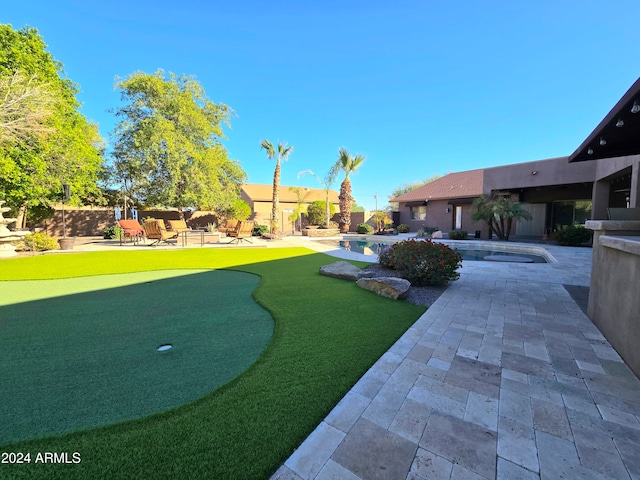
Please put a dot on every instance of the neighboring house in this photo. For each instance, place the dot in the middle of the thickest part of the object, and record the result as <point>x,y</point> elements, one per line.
<point>259,198</point>
<point>555,192</point>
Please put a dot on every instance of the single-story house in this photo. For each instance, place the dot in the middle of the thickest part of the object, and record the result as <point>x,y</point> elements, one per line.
<point>555,192</point>
<point>259,197</point>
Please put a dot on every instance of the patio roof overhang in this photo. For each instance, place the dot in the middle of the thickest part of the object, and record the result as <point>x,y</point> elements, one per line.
<point>618,134</point>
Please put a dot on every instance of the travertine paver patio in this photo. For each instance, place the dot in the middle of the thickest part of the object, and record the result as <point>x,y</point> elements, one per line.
<point>503,377</point>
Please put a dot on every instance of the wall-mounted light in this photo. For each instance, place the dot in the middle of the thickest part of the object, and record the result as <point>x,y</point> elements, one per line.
<point>534,172</point>
<point>447,210</point>
<point>636,107</point>
<point>590,151</point>
<point>620,123</point>
<point>602,141</point>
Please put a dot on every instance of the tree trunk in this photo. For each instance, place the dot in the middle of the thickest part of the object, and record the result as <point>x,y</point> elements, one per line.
<point>274,200</point>
<point>327,210</point>
<point>345,205</point>
<point>508,232</point>
<point>21,221</point>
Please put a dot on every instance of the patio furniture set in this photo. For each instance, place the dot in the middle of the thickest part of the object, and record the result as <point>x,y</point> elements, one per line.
<point>156,230</point>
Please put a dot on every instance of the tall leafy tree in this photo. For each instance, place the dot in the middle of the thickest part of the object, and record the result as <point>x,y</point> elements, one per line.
<point>26,104</point>
<point>499,211</point>
<point>281,153</point>
<point>348,164</point>
<point>46,141</point>
<point>167,144</point>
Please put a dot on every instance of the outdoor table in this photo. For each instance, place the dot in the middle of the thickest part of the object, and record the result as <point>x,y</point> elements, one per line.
<point>202,234</point>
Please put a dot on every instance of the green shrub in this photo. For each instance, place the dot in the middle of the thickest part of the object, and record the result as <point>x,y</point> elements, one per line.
<point>37,241</point>
<point>364,228</point>
<point>571,236</point>
<point>402,228</point>
<point>458,235</point>
<point>259,230</point>
<point>112,232</point>
<point>423,262</point>
<point>316,212</point>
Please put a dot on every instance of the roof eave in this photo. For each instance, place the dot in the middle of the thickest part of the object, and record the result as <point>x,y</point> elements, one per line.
<point>620,109</point>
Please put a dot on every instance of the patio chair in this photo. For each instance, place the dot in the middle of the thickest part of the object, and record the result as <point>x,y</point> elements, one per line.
<point>178,226</point>
<point>131,229</point>
<point>229,226</point>
<point>158,232</point>
<point>623,213</point>
<point>243,231</point>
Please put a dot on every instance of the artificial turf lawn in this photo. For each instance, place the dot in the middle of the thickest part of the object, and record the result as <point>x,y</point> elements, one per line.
<point>98,362</point>
<point>328,332</point>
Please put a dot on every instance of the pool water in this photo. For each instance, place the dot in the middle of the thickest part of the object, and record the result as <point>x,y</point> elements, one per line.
<point>373,248</point>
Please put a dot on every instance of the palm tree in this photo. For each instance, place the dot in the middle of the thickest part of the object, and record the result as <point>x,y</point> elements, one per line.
<point>348,164</point>
<point>280,153</point>
<point>300,207</point>
<point>326,183</point>
<point>499,212</point>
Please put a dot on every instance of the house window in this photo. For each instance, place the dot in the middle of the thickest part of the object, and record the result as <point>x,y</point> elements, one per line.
<point>568,213</point>
<point>418,213</point>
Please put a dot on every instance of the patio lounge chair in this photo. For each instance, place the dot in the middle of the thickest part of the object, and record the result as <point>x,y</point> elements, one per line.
<point>157,231</point>
<point>131,229</point>
<point>229,226</point>
<point>178,226</point>
<point>243,231</point>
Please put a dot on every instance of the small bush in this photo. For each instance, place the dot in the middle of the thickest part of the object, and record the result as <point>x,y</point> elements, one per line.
<point>112,232</point>
<point>423,262</point>
<point>364,228</point>
<point>259,230</point>
<point>571,236</point>
<point>402,228</point>
<point>38,242</point>
<point>385,258</point>
<point>458,235</point>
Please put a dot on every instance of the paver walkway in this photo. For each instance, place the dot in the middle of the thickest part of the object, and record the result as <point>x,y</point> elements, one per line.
<point>503,377</point>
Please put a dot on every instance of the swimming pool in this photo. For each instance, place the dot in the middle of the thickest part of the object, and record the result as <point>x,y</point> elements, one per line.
<point>471,254</point>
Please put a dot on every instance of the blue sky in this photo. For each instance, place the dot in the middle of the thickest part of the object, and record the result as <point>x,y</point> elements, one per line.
<point>419,87</point>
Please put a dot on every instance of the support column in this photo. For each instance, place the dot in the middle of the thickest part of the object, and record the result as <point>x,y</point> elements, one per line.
<point>634,195</point>
<point>600,199</point>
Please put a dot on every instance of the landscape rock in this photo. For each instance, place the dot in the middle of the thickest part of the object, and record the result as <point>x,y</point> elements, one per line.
<point>390,287</point>
<point>436,234</point>
<point>343,270</point>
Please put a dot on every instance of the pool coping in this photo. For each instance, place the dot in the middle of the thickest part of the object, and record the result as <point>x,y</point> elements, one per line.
<point>511,247</point>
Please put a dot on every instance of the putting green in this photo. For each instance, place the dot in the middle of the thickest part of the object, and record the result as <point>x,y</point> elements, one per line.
<point>83,352</point>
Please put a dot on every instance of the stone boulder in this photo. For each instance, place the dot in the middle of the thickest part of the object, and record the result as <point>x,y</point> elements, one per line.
<point>436,234</point>
<point>390,287</point>
<point>343,270</point>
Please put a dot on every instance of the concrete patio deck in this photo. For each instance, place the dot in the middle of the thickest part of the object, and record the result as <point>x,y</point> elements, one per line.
<point>503,377</point>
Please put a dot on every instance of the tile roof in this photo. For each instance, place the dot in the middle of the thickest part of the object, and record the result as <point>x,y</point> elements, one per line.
<point>264,193</point>
<point>453,185</point>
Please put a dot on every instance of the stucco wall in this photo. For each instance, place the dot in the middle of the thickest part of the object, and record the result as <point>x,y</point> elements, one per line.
<point>554,171</point>
<point>614,302</point>
<point>438,217</point>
